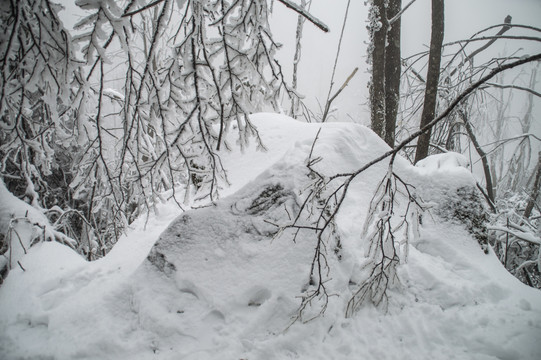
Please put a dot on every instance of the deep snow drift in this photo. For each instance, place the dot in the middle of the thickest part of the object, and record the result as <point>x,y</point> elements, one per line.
<point>220,283</point>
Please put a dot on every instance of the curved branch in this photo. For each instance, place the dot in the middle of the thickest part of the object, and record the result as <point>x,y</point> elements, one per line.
<point>501,86</point>
<point>446,112</point>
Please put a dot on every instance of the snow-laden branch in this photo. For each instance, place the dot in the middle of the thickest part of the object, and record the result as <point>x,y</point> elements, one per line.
<point>495,37</point>
<point>520,235</point>
<point>397,16</point>
<point>148,6</point>
<point>306,14</point>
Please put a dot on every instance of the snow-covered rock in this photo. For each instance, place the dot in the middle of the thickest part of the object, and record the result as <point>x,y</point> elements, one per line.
<point>220,283</point>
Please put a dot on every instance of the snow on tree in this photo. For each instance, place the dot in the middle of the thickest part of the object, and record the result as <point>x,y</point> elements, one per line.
<point>104,153</point>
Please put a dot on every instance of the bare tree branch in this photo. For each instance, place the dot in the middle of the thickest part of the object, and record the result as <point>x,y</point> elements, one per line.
<point>148,6</point>
<point>306,14</point>
<point>397,16</point>
<point>516,87</point>
<point>444,114</point>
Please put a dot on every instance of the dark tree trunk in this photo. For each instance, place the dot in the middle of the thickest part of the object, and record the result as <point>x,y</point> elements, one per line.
<point>377,86</point>
<point>482,154</point>
<point>432,78</point>
<point>392,72</point>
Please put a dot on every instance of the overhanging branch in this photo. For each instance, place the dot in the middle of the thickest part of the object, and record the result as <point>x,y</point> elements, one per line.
<point>501,86</point>
<point>444,114</point>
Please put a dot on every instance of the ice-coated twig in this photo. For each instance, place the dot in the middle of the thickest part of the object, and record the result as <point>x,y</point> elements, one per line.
<point>306,14</point>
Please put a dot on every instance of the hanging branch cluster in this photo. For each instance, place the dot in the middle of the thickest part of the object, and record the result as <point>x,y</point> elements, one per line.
<point>386,250</point>
<point>37,75</point>
<point>210,70</point>
<point>142,116</point>
<point>36,71</point>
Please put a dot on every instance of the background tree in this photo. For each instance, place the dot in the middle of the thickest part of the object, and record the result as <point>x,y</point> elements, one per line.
<point>487,128</point>
<point>385,59</point>
<point>432,77</point>
<point>378,30</point>
<point>393,70</point>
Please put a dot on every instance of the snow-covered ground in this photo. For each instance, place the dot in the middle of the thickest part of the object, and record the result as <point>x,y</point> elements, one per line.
<point>218,283</point>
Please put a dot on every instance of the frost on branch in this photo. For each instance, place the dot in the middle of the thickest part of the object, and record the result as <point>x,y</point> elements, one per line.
<point>386,235</point>
<point>202,69</point>
<point>93,152</point>
<point>393,219</point>
<point>37,105</point>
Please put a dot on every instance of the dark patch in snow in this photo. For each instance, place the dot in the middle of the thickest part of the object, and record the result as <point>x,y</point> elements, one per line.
<point>465,206</point>
<point>271,197</point>
<point>214,316</point>
<point>158,259</point>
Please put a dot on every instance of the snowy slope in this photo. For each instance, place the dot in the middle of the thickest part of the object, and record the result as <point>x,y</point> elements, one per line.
<point>216,283</point>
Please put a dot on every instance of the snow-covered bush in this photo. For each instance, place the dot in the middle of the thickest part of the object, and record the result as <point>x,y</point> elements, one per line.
<point>516,240</point>
<point>465,206</point>
<point>21,227</point>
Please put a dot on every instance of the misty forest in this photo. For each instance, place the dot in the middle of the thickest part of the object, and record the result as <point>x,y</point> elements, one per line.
<point>270,179</point>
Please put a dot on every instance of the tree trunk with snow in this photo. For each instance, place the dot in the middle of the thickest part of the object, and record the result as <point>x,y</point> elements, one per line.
<point>392,72</point>
<point>377,86</point>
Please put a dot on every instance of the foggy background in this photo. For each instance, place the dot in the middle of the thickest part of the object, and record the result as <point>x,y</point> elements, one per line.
<point>462,19</point>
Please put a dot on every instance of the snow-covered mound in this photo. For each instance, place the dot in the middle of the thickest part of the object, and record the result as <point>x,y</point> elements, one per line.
<point>221,282</point>
<point>20,226</point>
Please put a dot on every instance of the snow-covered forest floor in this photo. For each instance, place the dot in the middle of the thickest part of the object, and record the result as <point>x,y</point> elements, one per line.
<point>220,283</point>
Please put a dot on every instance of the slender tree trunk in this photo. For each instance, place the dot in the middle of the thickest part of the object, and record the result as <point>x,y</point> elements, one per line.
<point>297,59</point>
<point>432,77</point>
<point>392,72</point>
<point>377,86</point>
<point>535,190</point>
<point>482,154</point>
<point>298,37</point>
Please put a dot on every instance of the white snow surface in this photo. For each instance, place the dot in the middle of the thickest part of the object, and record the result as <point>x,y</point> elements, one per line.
<point>218,285</point>
<point>443,161</point>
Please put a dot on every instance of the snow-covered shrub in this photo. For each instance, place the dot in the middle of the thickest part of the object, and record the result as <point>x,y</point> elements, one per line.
<point>516,240</point>
<point>22,226</point>
<point>465,206</point>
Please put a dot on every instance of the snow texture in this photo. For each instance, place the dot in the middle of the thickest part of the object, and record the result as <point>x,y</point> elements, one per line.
<point>219,282</point>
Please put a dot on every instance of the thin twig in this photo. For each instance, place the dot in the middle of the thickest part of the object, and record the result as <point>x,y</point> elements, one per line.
<point>306,14</point>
